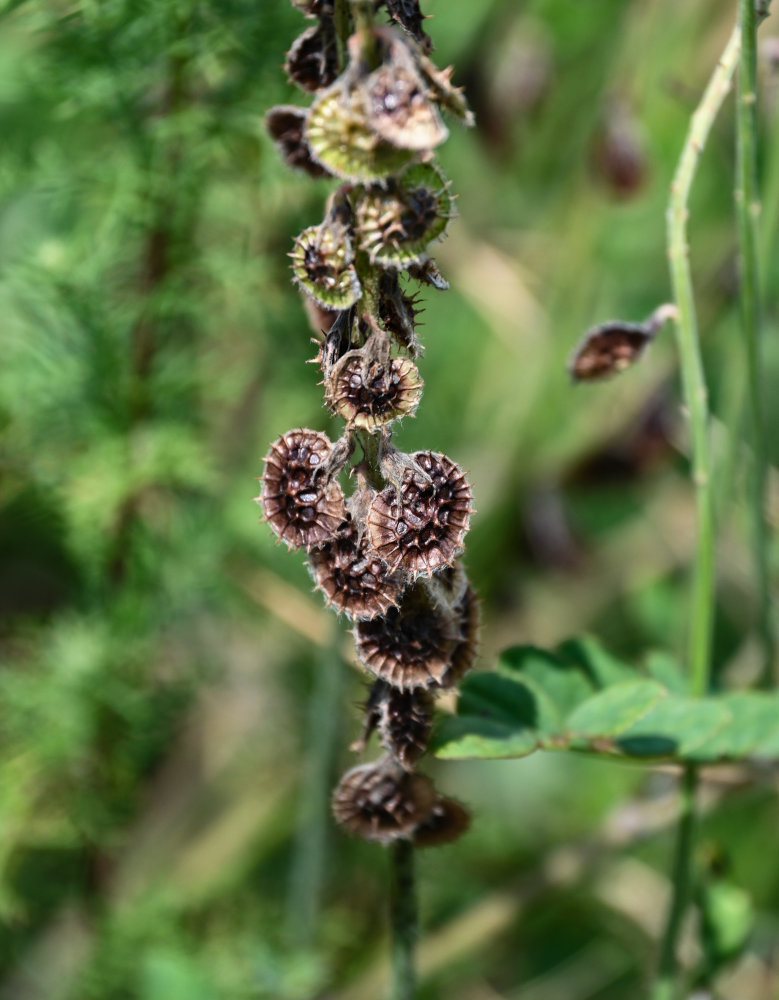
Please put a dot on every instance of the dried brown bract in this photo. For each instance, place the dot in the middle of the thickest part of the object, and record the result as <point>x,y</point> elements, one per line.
<point>286,124</point>
<point>448,821</point>
<point>301,505</point>
<point>312,62</point>
<point>608,350</point>
<point>420,526</point>
<point>382,802</point>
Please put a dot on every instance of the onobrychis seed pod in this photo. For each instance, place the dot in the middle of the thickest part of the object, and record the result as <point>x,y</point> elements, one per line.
<point>286,124</point>
<point>612,347</point>
<point>420,526</point>
<point>397,222</point>
<point>404,720</point>
<point>322,263</point>
<point>412,645</point>
<point>448,820</point>
<point>352,576</point>
<point>302,506</point>
<point>382,802</point>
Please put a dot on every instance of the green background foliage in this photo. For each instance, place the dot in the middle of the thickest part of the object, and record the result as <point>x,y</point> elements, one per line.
<point>165,669</point>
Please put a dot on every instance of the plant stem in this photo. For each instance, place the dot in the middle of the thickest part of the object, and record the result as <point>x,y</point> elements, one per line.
<point>693,379</point>
<point>309,860</point>
<point>663,988</point>
<point>403,916</point>
<point>748,214</point>
<point>696,400</point>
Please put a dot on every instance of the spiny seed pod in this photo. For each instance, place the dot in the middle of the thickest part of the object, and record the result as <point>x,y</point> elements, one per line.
<point>342,140</point>
<point>398,312</point>
<point>427,273</point>
<point>286,124</point>
<point>382,802</point>
<point>369,389</point>
<point>301,505</point>
<point>352,576</point>
<point>407,14</point>
<point>448,820</point>
<point>464,653</point>
<point>421,525</point>
<point>312,62</point>
<point>322,264</point>
<point>398,222</point>
<point>412,645</point>
<point>440,89</point>
<point>394,95</point>
<point>405,720</point>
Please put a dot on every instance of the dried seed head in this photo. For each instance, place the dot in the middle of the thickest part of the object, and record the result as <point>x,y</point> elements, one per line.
<point>394,95</point>
<point>448,820</point>
<point>464,654</point>
<point>382,802</point>
<point>407,14</point>
<point>312,62</point>
<point>412,645</point>
<point>342,140</point>
<point>398,222</point>
<point>352,576</point>
<point>301,505</point>
<point>322,265</point>
<point>286,125</point>
<point>420,526</point>
<point>404,720</point>
<point>369,389</point>
<point>397,312</point>
<point>608,350</point>
<point>440,89</point>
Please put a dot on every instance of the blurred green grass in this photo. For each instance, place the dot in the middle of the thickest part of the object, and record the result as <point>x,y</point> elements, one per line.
<point>159,652</point>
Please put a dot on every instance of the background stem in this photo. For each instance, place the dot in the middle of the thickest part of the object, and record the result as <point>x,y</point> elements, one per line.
<point>403,916</point>
<point>748,214</point>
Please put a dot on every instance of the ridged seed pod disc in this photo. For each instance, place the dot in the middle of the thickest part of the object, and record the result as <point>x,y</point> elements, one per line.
<point>398,223</point>
<point>352,576</point>
<point>372,393</point>
<point>420,527</point>
<point>412,645</point>
<point>382,802</point>
<point>341,139</point>
<point>397,107</point>
<point>301,507</point>
<point>322,265</point>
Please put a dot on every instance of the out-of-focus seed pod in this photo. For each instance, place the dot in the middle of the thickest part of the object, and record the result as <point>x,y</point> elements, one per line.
<point>404,721</point>
<point>427,272</point>
<point>382,802</point>
<point>448,821</point>
<point>352,576</point>
<point>420,526</point>
<point>369,389</point>
<point>314,8</point>
<point>342,140</point>
<point>301,505</point>
<point>608,349</point>
<point>312,62</point>
<point>286,124</point>
<point>464,654</point>
<point>322,263</point>
<point>412,645</point>
<point>441,90</point>
<point>407,14</point>
<point>618,153</point>
<point>398,221</point>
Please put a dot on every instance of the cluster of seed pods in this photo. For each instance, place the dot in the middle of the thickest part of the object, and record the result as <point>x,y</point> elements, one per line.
<point>383,530</point>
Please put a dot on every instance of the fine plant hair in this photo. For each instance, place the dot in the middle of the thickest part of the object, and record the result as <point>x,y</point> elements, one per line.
<point>383,530</point>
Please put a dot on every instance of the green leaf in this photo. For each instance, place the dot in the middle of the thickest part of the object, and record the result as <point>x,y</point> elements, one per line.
<point>754,721</point>
<point>564,684</point>
<point>675,726</point>
<point>468,737</point>
<point>598,665</point>
<point>611,711</point>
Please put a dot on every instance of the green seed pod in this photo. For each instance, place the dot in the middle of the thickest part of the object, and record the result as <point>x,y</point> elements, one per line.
<point>398,222</point>
<point>322,265</point>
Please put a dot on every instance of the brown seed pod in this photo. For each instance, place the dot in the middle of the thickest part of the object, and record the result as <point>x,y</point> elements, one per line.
<point>322,264</point>
<point>412,645</point>
<point>420,526</point>
<point>608,350</point>
<point>427,273</point>
<point>301,505</point>
<point>398,312</point>
<point>381,801</point>
<point>369,389</point>
<point>464,653</point>
<point>286,124</point>
<point>352,576</point>
<point>312,62</point>
<point>405,721</point>
<point>407,14</point>
<point>448,820</point>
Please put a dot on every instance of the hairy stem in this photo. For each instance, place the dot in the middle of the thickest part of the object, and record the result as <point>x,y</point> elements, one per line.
<point>663,988</point>
<point>748,214</point>
<point>696,400</point>
<point>693,379</point>
<point>403,915</point>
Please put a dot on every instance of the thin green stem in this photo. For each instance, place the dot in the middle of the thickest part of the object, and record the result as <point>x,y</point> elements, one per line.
<point>403,915</point>
<point>664,985</point>
<point>341,21</point>
<point>748,214</point>
<point>693,379</point>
